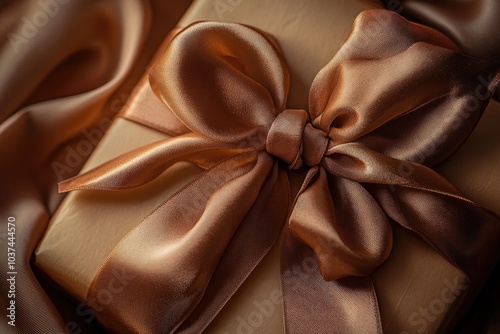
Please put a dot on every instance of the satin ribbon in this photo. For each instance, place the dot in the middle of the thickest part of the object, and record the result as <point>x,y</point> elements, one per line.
<point>468,23</point>
<point>379,112</point>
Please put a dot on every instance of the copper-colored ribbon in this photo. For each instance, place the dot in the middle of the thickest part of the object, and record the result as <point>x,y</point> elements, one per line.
<point>380,112</point>
<point>470,24</point>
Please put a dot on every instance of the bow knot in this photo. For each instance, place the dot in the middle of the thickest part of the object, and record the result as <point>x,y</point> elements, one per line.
<point>294,140</point>
<point>372,110</point>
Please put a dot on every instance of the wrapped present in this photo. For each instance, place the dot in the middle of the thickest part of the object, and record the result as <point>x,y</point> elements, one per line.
<point>203,278</point>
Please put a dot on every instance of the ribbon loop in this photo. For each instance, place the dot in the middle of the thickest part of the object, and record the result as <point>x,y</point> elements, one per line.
<point>228,82</point>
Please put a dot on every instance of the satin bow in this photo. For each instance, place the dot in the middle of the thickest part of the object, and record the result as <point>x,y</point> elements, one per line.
<point>379,112</point>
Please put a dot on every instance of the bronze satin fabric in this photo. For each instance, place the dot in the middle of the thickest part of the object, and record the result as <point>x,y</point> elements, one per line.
<point>374,111</point>
<point>472,24</point>
<point>65,67</point>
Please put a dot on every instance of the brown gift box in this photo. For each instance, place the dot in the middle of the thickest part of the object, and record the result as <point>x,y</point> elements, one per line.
<point>418,291</point>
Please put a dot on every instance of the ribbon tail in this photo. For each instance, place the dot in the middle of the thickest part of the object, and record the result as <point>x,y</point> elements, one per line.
<point>313,305</point>
<point>423,201</point>
<point>348,240</point>
<point>260,228</point>
<point>181,242</point>
<point>467,235</point>
<point>146,163</point>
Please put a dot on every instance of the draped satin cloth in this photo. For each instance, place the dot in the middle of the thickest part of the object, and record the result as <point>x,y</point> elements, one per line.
<point>65,66</point>
<point>375,111</point>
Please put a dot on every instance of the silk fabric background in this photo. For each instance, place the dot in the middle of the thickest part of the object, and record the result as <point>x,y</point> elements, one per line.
<point>65,66</point>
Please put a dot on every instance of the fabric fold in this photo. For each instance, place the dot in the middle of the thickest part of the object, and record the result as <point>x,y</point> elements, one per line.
<point>470,24</point>
<point>261,227</point>
<point>327,217</point>
<point>203,216</point>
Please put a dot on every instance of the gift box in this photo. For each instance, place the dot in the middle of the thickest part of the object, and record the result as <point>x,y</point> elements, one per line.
<point>417,289</point>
